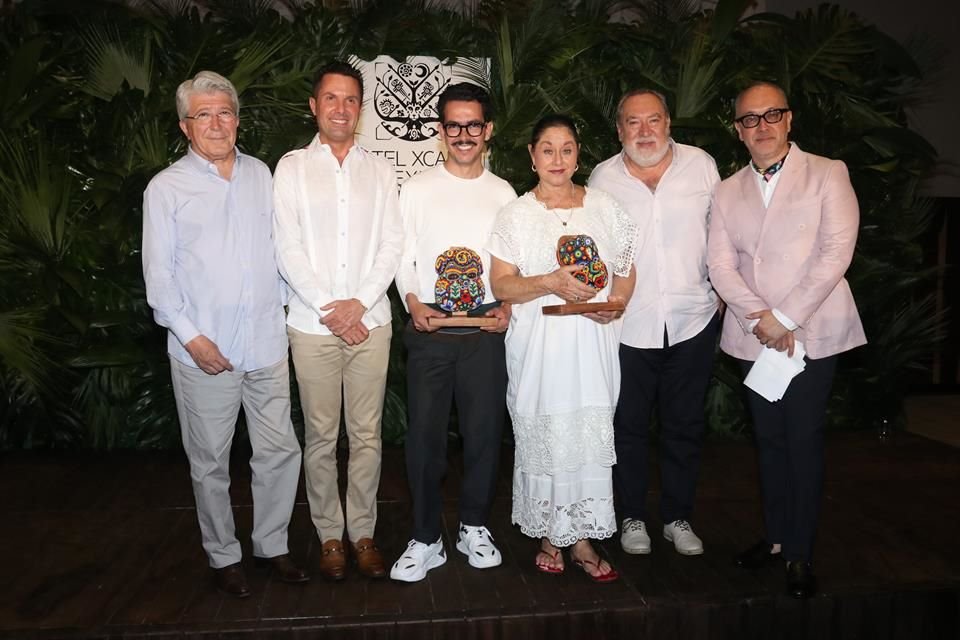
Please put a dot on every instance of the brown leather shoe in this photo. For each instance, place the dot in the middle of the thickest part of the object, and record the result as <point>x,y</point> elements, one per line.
<point>333,562</point>
<point>369,560</point>
<point>284,569</point>
<point>232,581</point>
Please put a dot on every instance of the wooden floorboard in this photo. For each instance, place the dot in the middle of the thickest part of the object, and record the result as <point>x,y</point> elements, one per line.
<point>107,546</point>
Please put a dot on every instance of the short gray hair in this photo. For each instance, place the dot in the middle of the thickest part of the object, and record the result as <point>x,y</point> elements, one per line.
<point>642,92</point>
<point>204,82</point>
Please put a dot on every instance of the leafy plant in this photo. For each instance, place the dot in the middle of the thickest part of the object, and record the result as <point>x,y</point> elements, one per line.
<point>87,117</point>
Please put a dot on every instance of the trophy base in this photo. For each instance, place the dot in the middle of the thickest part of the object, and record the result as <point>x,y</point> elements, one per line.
<point>575,308</point>
<point>461,319</point>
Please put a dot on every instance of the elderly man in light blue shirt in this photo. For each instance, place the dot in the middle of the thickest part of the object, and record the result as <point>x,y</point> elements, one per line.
<point>212,280</point>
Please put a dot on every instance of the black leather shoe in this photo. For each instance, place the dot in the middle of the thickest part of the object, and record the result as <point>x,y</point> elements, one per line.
<point>284,569</point>
<point>757,556</point>
<point>232,581</point>
<point>801,583</point>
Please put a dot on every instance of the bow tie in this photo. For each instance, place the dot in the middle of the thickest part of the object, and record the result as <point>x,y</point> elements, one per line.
<point>770,171</point>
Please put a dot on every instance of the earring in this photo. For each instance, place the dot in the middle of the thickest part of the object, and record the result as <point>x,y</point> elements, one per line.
<point>576,168</point>
<point>533,168</point>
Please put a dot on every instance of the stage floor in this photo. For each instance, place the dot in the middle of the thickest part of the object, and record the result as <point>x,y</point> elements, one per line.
<point>107,546</point>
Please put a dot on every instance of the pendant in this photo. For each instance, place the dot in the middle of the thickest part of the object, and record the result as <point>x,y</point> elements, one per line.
<point>564,223</point>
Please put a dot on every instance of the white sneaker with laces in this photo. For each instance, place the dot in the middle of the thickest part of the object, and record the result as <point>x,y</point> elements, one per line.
<point>684,539</point>
<point>419,558</point>
<point>477,544</point>
<point>633,537</point>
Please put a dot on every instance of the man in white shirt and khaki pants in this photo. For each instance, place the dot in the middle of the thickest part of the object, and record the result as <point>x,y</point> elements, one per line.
<point>671,324</point>
<point>339,240</point>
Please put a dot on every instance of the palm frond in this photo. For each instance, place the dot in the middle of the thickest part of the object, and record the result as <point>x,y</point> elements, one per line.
<point>113,60</point>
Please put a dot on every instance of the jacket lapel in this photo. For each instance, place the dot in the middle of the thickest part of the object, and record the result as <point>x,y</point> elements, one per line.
<point>794,167</point>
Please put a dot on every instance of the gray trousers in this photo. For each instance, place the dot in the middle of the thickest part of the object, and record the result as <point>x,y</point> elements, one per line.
<point>208,407</point>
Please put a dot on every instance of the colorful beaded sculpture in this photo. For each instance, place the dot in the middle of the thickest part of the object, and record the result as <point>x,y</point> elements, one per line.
<point>582,250</point>
<point>459,287</point>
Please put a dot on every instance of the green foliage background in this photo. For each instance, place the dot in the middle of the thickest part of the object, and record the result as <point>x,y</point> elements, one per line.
<point>87,117</point>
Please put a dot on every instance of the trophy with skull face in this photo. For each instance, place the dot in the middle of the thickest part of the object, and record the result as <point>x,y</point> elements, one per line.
<point>459,289</point>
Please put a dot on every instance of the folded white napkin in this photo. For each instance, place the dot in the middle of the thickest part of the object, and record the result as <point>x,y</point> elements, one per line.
<point>772,372</point>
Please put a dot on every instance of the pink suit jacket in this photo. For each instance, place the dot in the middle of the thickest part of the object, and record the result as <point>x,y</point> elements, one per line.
<point>791,255</point>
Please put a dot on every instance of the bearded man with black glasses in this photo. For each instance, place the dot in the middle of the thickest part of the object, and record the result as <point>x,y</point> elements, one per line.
<point>782,234</point>
<point>448,213</point>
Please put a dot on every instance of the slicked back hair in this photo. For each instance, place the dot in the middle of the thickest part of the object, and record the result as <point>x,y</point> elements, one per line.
<point>340,68</point>
<point>553,120</point>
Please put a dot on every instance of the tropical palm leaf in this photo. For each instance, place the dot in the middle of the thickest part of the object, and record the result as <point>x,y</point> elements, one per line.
<point>113,60</point>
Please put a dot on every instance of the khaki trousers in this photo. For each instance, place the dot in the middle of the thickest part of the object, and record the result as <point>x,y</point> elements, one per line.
<point>330,373</point>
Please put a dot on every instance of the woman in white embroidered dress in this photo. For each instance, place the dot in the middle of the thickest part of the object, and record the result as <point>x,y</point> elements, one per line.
<point>564,373</point>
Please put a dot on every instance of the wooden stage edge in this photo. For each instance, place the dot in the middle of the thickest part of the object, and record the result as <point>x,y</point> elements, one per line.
<point>107,546</point>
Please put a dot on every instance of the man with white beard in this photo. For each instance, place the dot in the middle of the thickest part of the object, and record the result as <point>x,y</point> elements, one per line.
<point>671,323</point>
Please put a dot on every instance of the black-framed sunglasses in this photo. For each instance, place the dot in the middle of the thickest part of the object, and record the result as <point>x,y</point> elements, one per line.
<point>474,129</point>
<point>772,116</point>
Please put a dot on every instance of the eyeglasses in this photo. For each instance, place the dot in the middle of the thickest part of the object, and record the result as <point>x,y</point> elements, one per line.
<point>771,116</point>
<point>474,129</point>
<point>204,117</point>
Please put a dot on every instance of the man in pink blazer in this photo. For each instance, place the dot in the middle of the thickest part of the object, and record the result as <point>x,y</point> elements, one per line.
<point>782,235</point>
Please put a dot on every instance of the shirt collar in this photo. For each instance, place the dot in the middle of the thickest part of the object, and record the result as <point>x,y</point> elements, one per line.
<point>316,146</point>
<point>202,165</point>
<point>766,174</point>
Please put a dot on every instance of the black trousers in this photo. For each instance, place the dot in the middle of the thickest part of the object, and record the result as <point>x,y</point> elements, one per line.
<point>789,437</point>
<point>440,367</point>
<point>674,378</point>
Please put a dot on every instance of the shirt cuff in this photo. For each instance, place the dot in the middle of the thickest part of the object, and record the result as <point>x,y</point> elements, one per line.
<point>784,320</point>
<point>184,330</point>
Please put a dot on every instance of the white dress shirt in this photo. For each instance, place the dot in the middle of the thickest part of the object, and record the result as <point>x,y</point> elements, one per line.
<point>338,232</point>
<point>672,288</point>
<point>441,211</point>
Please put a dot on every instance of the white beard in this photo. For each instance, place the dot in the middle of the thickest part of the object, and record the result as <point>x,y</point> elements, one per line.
<point>646,159</point>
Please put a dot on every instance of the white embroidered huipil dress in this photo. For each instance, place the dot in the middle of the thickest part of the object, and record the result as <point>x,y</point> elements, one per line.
<point>564,374</point>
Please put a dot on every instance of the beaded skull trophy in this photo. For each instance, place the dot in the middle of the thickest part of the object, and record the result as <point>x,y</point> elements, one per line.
<point>459,288</point>
<point>582,250</point>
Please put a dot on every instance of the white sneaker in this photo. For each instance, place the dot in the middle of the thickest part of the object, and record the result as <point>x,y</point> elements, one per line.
<point>477,544</point>
<point>633,536</point>
<point>684,539</point>
<point>419,558</point>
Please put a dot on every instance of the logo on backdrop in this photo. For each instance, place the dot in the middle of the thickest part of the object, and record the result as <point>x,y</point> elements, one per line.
<point>406,100</point>
<point>400,121</point>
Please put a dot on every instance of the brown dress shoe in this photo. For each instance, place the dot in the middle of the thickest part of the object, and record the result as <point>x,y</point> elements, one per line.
<point>369,560</point>
<point>333,562</point>
<point>284,569</point>
<point>231,581</point>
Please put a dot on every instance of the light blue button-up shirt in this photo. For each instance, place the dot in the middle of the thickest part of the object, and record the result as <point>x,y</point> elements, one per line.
<point>209,261</point>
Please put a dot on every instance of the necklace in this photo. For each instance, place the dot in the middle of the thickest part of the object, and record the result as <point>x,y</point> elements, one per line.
<point>562,221</point>
<point>538,194</point>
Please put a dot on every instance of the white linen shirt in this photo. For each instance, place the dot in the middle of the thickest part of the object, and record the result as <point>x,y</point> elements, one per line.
<point>672,288</point>
<point>338,232</point>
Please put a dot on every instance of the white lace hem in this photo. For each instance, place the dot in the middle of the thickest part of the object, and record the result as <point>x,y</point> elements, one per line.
<point>565,507</point>
<point>566,442</point>
<point>564,525</point>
